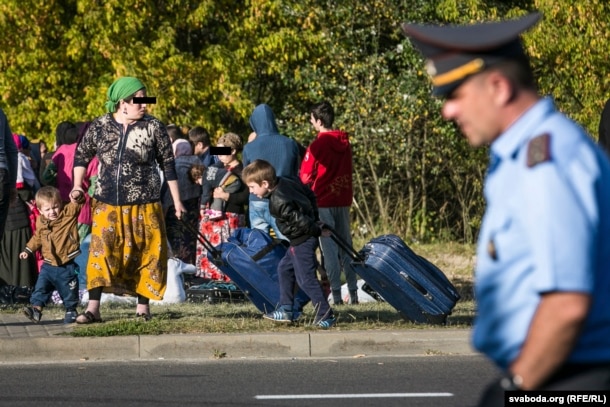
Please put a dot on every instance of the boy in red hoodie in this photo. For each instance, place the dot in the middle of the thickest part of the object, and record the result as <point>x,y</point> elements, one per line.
<point>327,170</point>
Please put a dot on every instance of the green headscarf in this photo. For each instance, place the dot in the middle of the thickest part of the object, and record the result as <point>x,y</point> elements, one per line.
<point>120,89</point>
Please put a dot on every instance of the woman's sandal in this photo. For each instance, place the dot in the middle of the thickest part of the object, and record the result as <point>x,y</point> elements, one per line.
<point>87,318</point>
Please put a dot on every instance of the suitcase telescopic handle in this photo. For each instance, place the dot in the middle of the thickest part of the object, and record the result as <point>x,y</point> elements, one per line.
<point>344,245</point>
<point>204,241</point>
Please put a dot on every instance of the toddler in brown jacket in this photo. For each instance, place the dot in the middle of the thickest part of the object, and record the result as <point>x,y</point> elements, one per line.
<point>56,236</point>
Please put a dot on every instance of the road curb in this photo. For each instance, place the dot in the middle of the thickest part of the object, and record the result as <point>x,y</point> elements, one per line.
<point>389,343</point>
<point>210,346</point>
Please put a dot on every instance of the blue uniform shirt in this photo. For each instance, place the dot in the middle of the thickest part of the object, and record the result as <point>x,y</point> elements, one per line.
<point>546,228</point>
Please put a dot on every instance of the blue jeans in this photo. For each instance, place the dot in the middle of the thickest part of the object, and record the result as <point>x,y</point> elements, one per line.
<point>81,261</point>
<point>260,218</point>
<point>62,278</point>
<point>334,257</point>
<point>299,266</point>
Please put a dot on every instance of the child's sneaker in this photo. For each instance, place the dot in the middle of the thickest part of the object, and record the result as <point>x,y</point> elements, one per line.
<point>33,314</point>
<point>325,323</point>
<point>70,317</point>
<point>279,315</point>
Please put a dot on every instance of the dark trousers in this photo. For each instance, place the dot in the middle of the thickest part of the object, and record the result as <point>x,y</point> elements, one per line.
<point>299,266</point>
<point>5,193</point>
<point>62,278</point>
<point>569,377</point>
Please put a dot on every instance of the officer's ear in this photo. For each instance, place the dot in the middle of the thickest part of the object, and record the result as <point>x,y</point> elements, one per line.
<point>502,88</point>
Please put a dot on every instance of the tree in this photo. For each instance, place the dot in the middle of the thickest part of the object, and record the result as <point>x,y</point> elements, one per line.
<point>568,48</point>
<point>38,83</point>
<point>570,54</point>
<point>209,62</point>
<point>403,161</point>
<point>201,59</point>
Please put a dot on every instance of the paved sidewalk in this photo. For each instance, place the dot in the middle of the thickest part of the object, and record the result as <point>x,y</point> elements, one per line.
<point>17,326</point>
<point>48,341</point>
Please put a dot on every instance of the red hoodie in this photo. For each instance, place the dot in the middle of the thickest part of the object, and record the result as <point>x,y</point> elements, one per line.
<point>327,169</point>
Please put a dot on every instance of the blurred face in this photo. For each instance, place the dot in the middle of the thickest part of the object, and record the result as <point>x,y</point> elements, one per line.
<point>50,210</point>
<point>225,159</point>
<point>258,190</point>
<point>133,111</point>
<point>473,107</point>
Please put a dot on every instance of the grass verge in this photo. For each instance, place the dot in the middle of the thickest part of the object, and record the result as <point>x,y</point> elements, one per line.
<point>456,261</point>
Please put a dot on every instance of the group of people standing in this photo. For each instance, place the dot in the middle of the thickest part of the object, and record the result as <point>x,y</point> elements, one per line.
<point>543,257</point>
<point>36,167</point>
<point>140,181</point>
<point>325,168</point>
<point>295,197</point>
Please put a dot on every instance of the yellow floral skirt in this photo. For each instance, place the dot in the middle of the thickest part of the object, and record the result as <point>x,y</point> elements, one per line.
<point>128,252</point>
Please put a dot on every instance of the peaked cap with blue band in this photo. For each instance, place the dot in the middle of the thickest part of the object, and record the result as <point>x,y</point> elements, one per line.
<point>455,52</point>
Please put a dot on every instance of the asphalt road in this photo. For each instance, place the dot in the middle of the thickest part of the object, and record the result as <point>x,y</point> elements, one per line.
<point>430,381</point>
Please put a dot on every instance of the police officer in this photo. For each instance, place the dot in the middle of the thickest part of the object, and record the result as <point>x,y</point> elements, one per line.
<point>543,257</point>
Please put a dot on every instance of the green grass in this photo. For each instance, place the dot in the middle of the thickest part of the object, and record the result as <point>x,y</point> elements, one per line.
<point>193,318</point>
<point>190,318</point>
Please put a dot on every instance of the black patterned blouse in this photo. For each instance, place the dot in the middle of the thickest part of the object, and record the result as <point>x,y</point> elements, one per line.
<point>129,162</point>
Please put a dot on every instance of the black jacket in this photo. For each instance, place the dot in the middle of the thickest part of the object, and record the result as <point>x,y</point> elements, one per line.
<point>293,205</point>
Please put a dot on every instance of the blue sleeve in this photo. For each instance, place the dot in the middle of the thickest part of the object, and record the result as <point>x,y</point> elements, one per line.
<point>244,156</point>
<point>296,166</point>
<point>206,194</point>
<point>561,214</point>
<point>207,188</point>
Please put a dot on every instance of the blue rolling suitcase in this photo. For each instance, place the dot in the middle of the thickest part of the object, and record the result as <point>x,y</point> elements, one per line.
<point>411,284</point>
<point>250,258</point>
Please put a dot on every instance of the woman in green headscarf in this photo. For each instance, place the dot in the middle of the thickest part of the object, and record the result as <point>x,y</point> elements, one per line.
<point>128,252</point>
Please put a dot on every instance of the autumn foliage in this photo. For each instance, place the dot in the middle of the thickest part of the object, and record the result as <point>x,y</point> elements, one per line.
<point>210,62</point>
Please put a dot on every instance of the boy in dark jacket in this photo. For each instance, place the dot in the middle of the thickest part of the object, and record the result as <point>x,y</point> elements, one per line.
<point>56,236</point>
<point>293,206</point>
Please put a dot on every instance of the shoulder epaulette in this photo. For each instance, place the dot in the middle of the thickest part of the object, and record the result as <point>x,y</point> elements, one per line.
<point>539,150</point>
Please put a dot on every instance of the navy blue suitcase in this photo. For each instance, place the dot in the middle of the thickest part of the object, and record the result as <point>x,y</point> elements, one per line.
<point>250,258</point>
<point>410,283</point>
